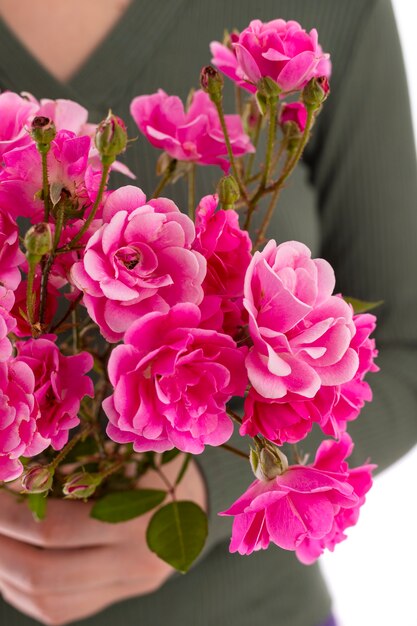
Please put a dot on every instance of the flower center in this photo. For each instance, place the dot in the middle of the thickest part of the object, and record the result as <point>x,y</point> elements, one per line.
<point>129,257</point>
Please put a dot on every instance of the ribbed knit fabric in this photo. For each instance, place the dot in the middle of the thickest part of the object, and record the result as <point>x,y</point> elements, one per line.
<point>353,201</point>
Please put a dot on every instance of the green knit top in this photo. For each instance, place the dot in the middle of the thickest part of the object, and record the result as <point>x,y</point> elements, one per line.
<point>352,201</point>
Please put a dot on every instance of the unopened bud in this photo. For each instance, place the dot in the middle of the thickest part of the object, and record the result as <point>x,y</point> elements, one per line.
<point>293,118</point>
<point>268,463</point>
<point>316,92</point>
<point>228,191</point>
<point>211,81</point>
<point>111,138</point>
<point>38,479</point>
<point>43,131</point>
<point>81,485</point>
<point>38,241</point>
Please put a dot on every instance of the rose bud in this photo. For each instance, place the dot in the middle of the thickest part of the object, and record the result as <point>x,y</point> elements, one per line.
<point>111,138</point>
<point>211,81</point>
<point>38,479</point>
<point>228,192</point>
<point>293,118</point>
<point>268,463</point>
<point>43,131</point>
<point>81,485</point>
<point>38,241</point>
<point>316,92</point>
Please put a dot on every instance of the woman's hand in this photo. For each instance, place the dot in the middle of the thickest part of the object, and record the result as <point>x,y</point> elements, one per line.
<point>71,566</point>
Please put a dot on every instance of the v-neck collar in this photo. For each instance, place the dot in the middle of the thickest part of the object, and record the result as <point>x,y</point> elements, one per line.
<point>106,72</point>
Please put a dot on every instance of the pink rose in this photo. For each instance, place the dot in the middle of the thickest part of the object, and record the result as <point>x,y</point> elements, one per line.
<point>10,254</point>
<point>195,135</point>
<point>60,385</point>
<point>306,508</point>
<point>140,260</point>
<point>69,171</point>
<point>280,50</point>
<point>227,249</point>
<point>15,112</point>
<point>294,113</point>
<point>290,418</point>
<point>171,383</point>
<point>19,413</point>
<point>301,333</point>
<point>7,324</point>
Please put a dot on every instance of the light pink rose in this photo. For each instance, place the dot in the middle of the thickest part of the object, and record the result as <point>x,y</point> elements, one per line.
<point>301,333</point>
<point>60,385</point>
<point>290,418</point>
<point>227,249</point>
<point>295,113</point>
<point>140,260</point>
<point>350,397</point>
<point>280,50</point>
<point>306,508</point>
<point>195,135</point>
<point>19,413</point>
<point>171,383</point>
<point>10,254</point>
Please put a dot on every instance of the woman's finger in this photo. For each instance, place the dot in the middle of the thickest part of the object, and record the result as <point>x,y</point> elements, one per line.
<point>56,609</point>
<point>35,570</point>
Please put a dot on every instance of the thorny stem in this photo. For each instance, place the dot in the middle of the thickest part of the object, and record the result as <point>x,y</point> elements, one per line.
<point>59,222</point>
<point>92,214</point>
<point>70,309</point>
<point>272,105</point>
<point>45,184</point>
<point>242,188</point>
<point>251,158</point>
<point>235,451</point>
<point>30,294</point>
<point>168,174</point>
<point>276,187</point>
<point>191,191</point>
<point>70,445</point>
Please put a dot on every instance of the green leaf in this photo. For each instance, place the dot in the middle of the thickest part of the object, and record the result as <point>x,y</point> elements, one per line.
<point>126,505</point>
<point>37,503</point>
<point>177,533</point>
<point>169,456</point>
<point>361,306</point>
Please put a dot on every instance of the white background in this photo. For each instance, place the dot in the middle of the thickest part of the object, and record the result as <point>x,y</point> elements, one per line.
<point>373,575</point>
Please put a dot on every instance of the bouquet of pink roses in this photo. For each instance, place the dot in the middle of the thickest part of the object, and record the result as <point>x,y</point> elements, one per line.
<point>191,311</point>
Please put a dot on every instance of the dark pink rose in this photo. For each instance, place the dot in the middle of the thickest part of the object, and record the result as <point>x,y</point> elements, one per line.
<point>294,113</point>
<point>306,508</point>
<point>171,382</point>
<point>69,171</point>
<point>11,257</point>
<point>227,250</point>
<point>19,414</point>
<point>301,333</point>
<point>60,385</point>
<point>280,50</point>
<point>195,135</point>
<point>140,260</point>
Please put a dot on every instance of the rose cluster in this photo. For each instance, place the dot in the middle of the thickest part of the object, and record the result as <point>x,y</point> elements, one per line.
<point>197,316</point>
